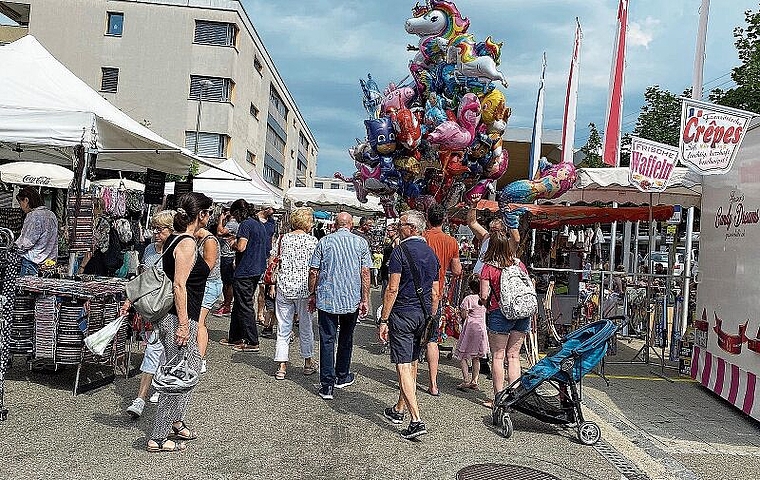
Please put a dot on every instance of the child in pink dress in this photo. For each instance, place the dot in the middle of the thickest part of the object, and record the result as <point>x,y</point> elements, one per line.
<point>473,341</point>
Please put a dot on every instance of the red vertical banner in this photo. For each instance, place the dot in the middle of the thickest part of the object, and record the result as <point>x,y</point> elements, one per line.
<point>571,99</point>
<point>614,119</point>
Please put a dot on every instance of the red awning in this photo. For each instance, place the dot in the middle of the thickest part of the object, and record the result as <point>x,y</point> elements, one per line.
<point>554,216</point>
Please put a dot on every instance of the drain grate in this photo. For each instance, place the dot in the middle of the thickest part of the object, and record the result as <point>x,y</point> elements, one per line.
<point>498,471</point>
<point>622,464</point>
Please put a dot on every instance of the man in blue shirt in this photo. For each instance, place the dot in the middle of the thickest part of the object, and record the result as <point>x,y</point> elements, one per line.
<point>252,246</point>
<point>402,320</point>
<point>339,285</point>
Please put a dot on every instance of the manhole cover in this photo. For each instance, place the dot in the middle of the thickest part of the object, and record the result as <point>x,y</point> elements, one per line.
<point>498,471</point>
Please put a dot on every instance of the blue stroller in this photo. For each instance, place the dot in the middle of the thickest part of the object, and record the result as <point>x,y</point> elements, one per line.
<point>581,351</point>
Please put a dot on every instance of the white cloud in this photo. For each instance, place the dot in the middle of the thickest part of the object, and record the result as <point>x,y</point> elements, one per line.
<point>637,36</point>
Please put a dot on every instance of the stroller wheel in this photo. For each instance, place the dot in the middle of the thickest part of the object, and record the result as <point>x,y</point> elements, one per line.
<point>507,429</point>
<point>589,433</point>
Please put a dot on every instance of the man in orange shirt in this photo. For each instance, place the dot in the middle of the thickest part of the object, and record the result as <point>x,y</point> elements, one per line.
<point>446,249</point>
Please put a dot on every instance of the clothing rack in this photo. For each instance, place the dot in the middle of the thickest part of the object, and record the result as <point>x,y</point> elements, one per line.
<point>10,265</point>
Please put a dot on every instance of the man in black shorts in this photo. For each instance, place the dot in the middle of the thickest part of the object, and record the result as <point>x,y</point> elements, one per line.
<point>402,320</point>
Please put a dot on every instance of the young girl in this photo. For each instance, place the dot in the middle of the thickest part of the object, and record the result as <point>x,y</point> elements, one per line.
<point>473,341</point>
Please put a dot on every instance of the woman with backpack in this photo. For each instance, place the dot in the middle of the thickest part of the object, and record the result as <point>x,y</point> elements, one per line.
<point>505,299</point>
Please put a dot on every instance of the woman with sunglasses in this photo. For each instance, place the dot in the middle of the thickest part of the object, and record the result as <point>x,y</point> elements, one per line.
<point>161,227</point>
<point>178,331</point>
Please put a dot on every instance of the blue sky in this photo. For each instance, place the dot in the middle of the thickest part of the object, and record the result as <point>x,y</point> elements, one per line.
<point>322,48</point>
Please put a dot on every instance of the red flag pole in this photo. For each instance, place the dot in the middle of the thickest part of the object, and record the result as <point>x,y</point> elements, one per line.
<point>614,119</point>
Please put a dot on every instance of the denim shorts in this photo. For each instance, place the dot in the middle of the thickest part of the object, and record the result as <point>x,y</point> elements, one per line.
<point>154,354</point>
<point>496,322</point>
<point>212,293</point>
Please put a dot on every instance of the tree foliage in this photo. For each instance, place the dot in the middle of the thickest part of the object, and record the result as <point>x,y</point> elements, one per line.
<point>746,94</point>
<point>659,120</point>
<point>592,150</point>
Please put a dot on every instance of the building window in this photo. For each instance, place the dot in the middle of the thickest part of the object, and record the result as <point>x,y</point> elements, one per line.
<point>319,185</point>
<point>115,24</point>
<point>254,112</point>
<point>215,33</point>
<point>272,176</point>
<point>277,108</point>
<point>334,186</point>
<point>257,65</point>
<point>250,157</point>
<point>303,144</point>
<point>274,139</point>
<point>301,166</point>
<point>220,89</point>
<point>109,81</point>
<point>209,144</point>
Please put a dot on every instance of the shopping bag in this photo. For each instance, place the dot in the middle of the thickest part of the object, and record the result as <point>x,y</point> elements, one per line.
<point>99,341</point>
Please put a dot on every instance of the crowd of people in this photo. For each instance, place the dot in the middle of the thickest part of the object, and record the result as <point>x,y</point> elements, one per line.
<point>326,279</point>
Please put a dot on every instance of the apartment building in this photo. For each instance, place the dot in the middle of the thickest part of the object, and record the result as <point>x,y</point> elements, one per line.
<point>332,183</point>
<point>194,71</point>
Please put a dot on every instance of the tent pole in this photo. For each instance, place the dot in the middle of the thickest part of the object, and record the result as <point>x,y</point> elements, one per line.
<point>636,249</point>
<point>687,270</point>
<point>648,336</point>
<point>613,243</point>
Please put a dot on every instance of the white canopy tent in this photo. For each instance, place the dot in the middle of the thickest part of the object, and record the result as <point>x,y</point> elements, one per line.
<point>222,186</point>
<point>45,110</point>
<point>609,185</point>
<point>332,200</point>
<point>36,174</point>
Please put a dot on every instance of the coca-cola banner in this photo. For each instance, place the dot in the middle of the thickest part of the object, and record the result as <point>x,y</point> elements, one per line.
<point>710,136</point>
<point>652,164</point>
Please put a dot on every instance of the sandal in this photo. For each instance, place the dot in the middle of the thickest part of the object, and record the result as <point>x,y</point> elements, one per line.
<point>162,447</point>
<point>280,375</point>
<point>463,387</point>
<point>179,432</point>
<point>310,369</point>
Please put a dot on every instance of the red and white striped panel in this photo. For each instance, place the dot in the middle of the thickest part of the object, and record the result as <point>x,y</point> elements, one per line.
<point>727,380</point>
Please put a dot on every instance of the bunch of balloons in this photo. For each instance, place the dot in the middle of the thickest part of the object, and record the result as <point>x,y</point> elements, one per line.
<point>438,138</point>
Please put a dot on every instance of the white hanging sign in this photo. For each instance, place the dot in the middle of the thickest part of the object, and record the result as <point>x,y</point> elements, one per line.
<point>652,165</point>
<point>711,136</point>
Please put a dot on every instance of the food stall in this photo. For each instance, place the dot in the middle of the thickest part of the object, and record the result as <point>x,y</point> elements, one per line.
<point>726,351</point>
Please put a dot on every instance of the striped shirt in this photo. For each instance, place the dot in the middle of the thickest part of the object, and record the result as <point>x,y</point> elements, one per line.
<point>340,258</point>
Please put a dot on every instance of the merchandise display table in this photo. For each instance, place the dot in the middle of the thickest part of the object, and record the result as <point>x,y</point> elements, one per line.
<point>52,316</point>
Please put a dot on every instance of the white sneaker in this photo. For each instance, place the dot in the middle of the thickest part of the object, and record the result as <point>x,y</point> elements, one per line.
<point>153,398</point>
<point>203,366</point>
<point>136,409</point>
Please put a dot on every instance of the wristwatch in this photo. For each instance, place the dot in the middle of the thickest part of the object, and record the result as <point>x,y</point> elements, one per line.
<point>381,321</point>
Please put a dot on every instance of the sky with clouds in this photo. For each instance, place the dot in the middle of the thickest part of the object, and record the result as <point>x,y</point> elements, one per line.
<point>322,48</point>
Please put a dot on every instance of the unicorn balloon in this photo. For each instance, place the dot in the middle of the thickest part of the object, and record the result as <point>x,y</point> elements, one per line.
<point>481,67</point>
<point>438,18</point>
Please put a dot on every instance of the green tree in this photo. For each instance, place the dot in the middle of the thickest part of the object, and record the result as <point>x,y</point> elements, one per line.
<point>592,157</point>
<point>746,94</point>
<point>659,120</point>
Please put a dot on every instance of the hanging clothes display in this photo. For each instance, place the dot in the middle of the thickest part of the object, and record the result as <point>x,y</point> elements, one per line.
<point>10,265</point>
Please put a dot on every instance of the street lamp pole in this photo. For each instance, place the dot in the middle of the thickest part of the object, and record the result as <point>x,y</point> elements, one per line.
<point>204,86</point>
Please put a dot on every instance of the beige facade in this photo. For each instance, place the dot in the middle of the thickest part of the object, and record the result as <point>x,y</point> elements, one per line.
<point>157,47</point>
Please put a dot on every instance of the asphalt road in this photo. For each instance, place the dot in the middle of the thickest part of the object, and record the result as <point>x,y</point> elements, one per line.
<point>251,425</point>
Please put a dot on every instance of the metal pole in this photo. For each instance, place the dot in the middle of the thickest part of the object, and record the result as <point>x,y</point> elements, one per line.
<point>636,249</point>
<point>687,270</point>
<point>613,244</point>
<point>204,85</point>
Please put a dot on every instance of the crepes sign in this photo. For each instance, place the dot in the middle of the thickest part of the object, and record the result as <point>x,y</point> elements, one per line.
<point>652,164</point>
<point>711,136</point>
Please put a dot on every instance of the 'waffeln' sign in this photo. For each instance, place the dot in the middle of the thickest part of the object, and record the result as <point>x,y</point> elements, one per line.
<point>711,136</point>
<point>652,164</point>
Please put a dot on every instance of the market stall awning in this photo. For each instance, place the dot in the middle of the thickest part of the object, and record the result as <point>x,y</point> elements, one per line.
<point>223,187</point>
<point>332,200</point>
<point>45,110</point>
<point>554,216</point>
<point>609,185</point>
<point>37,174</point>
